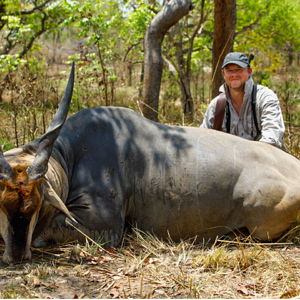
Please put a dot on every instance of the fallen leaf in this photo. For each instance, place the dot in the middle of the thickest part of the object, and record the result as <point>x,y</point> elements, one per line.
<point>241,288</point>
<point>111,250</point>
<point>152,260</point>
<point>105,258</point>
<point>94,260</point>
<point>97,258</point>
<point>36,282</point>
<point>75,297</point>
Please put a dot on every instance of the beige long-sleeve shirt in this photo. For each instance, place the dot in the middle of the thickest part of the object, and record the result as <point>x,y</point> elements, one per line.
<point>268,112</point>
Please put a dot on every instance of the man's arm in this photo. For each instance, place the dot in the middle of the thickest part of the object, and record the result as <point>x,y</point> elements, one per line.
<point>271,119</point>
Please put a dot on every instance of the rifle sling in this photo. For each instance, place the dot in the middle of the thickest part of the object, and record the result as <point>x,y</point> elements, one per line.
<point>253,103</point>
<point>220,110</point>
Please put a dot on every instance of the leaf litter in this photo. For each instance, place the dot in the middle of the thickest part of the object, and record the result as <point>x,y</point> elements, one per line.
<point>146,267</point>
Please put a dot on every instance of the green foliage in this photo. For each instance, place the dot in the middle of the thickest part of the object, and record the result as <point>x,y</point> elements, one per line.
<point>267,29</point>
<point>96,20</point>
<point>288,92</point>
<point>10,63</point>
<point>262,77</point>
<point>7,144</point>
<point>139,17</point>
<point>114,31</point>
<point>24,22</point>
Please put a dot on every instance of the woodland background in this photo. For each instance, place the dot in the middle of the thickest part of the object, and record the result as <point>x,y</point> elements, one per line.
<point>40,38</point>
<point>105,38</point>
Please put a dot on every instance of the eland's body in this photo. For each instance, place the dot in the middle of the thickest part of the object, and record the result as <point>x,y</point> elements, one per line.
<point>110,164</point>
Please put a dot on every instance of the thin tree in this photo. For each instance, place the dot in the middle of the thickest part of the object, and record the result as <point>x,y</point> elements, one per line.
<point>170,14</point>
<point>184,44</point>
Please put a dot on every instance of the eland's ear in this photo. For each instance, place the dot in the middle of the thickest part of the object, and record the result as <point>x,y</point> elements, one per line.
<point>55,201</point>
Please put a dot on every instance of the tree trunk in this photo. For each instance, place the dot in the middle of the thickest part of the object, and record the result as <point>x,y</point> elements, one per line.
<point>186,95</point>
<point>290,55</point>
<point>141,81</point>
<point>224,27</point>
<point>103,74</point>
<point>129,67</point>
<point>112,87</point>
<point>170,14</point>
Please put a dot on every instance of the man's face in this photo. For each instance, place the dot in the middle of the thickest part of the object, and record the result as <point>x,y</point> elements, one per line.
<point>236,76</point>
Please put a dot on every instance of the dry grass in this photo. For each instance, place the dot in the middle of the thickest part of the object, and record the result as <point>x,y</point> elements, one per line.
<point>145,267</point>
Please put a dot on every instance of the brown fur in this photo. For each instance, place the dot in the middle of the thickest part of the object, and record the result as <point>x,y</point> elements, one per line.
<point>19,195</point>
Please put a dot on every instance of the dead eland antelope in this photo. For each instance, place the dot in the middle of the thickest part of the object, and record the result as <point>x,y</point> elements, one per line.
<point>107,164</point>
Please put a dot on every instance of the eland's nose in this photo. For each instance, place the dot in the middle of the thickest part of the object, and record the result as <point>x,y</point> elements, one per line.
<point>15,257</point>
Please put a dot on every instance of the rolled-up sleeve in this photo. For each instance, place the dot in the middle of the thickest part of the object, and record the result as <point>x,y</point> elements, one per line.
<point>209,118</point>
<point>271,120</point>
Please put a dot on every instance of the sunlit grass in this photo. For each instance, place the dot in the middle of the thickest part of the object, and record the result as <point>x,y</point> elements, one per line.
<point>147,267</point>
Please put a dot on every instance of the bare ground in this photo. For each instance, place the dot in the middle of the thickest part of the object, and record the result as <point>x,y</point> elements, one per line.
<point>145,267</point>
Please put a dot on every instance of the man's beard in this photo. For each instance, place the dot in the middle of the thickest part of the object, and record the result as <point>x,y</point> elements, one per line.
<point>237,88</point>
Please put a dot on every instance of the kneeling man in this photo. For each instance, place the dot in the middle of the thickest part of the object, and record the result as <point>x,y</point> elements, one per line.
<point>244,109</point>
